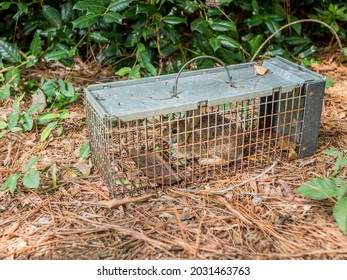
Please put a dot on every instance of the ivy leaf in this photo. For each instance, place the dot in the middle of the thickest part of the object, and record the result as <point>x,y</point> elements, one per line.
<point>11,183</point>
<point>118,5</point>
<point>85,150</point>
<point>319,189</point>
<point>36,45</point>
<point>111,17</point>
<point>32,179</point>
<point>53,16</point>
<point>9,52</point>
<point>31,163</point>
<point>340,214</point>
<point>85,21</point>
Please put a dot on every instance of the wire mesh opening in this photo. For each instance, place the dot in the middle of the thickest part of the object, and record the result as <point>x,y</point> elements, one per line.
<point>196,146</point>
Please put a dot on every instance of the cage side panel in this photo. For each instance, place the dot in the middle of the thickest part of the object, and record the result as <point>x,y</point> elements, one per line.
<point>99,140</point>
<point>313,110</point>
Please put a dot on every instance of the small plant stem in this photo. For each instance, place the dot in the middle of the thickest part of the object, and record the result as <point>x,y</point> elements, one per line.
<point>295,22</point>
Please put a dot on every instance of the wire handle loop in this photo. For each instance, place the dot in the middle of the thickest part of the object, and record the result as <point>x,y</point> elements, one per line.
<point>174,90</point>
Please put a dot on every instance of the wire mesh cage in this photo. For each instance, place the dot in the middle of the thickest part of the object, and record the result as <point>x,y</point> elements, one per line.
<point>191,127</point>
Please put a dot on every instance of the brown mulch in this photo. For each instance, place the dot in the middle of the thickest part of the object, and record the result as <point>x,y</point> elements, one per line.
<point>264,219</point>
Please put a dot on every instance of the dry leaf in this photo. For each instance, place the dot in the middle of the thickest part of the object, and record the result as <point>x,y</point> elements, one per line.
<point>260,70</point>
<point>84,166</point>
<point>40,97</point>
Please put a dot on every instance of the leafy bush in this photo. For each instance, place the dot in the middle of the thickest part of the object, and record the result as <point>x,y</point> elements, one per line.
<point>333,187</point>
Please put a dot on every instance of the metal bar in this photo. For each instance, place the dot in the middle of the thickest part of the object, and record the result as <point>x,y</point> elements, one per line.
<point>312,115</point>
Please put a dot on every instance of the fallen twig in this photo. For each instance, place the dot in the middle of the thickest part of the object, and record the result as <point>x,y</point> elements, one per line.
<point>118,202</point>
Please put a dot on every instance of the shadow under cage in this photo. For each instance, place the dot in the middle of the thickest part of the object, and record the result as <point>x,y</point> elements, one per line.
<point>192,127</point>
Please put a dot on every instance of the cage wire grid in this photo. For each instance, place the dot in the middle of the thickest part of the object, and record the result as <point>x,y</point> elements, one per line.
<point>195,146</point>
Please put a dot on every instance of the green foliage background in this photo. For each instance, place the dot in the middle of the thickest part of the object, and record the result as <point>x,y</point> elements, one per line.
<point>158,36</point>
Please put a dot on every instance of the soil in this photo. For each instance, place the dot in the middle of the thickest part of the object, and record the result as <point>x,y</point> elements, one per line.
<point>263,219</point>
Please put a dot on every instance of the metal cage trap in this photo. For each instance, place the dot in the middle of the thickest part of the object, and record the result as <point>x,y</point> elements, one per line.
<point>191,127</point>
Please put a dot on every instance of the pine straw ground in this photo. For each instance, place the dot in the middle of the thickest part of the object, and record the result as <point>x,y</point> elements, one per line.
<point>264,219</point>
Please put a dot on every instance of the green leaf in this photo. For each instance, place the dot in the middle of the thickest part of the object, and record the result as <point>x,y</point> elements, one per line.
<point>123,71</point>
<point>91,6</point>
<point>5,91</point>
<point>273,26</point>
<point>319,188</point>
<point>13,75</point>
<point>2,133</point>
<point>16,129</point>
<point>66,88</point>
<point>342,185</point>
<point>255,43</point>
<point>216,44</point>
<point>340,214</point>
<point>11,183</point>
<point>97,37</point>
<point>5,5</point>
<point>85,21</point>
<point>45,133</point>
<point>66,11</point>
<point>27,122</point>
<point>50,116</point>
<point>174,20</point>
<point>147,9</point>
<point>222,25</point>
<point>32,179</point>
<point>56,55</point>
<point>334,153</point>
<point>255,6</point>
<point>31,163</point>
<point>36,45</point>
<point>3,124</point>
<point>9,52</point>
<point>64,115</point>
<point>12,119</point>
<point>85,150</point>
<point>111,17</point>
<point>145,60</point>
<point>199,25</point>
<point>228,42</point>
<point>255,20</point>
<point>53,16</point>
<point>119,5</point>
<point>296,40</point>
<point>34,107</point>
<point>329,82</point>
<point>135,72</point>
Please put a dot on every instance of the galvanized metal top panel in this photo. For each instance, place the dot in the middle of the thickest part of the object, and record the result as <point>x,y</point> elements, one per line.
<point>148,97</point>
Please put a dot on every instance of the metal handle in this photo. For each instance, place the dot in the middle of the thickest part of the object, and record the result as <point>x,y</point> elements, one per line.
<point>174,90</point>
